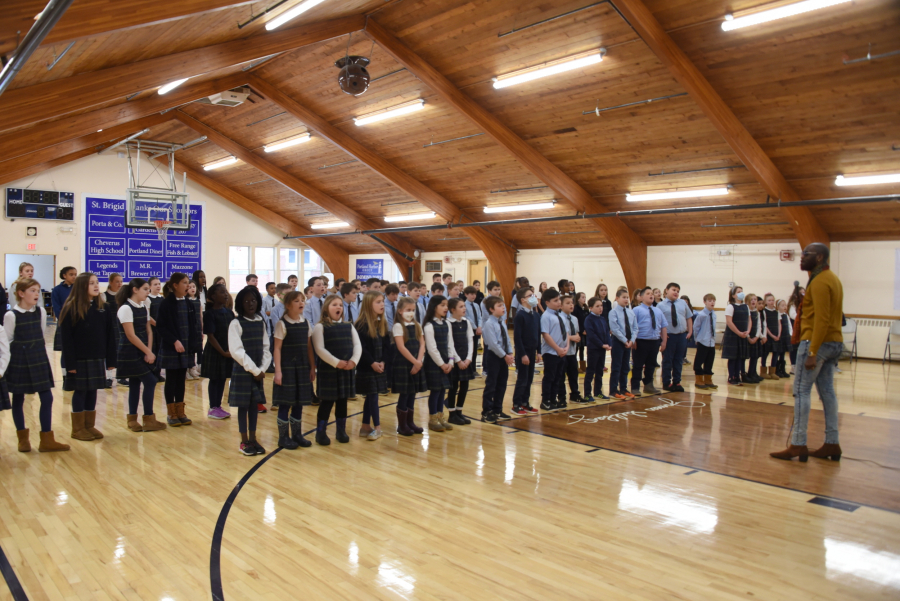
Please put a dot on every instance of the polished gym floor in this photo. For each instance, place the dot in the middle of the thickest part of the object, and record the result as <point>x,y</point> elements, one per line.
<point>662,497</point>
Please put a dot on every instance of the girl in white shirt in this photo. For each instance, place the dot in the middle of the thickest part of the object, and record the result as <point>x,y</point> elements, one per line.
<point>294,371</point>
<point>338,349</point>
<point>408,377</point>
<point>439,360</point>
<point>463,337</point>
<point>248,343</point>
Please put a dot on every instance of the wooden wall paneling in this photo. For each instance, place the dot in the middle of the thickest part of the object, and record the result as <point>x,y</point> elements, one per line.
<point>337,259</point>
<point>805,226</point>
<point>630,249</point>
<point>498,252</point>
<point>48,134</point>
<point>9,168</point>
<point>87,18</point>
<point>51,99</point>
<point>316,196</point>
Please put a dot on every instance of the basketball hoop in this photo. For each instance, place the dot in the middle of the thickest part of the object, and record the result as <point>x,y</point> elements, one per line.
<point>161,226</point>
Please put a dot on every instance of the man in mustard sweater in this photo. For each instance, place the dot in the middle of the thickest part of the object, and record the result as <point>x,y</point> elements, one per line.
<point>821,344</point>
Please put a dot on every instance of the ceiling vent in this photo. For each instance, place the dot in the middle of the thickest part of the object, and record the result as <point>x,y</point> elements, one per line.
<point>230,98</point>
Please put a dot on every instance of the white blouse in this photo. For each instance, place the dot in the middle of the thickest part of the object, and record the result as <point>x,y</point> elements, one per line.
<point>318,338</point>
<point>281,329</point>
<point>9,320</point>
<point>236,348</point>
<point>4,351</point>
<point>431,344</point>
<point>125,315</point>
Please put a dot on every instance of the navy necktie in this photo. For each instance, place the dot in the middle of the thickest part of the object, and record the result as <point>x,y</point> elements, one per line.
<point>674,316</point>
<point>503,335</point>
<point>652,319</point>
<point>627,325</point>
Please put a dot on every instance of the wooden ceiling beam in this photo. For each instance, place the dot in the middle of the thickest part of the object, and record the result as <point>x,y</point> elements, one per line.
<point>341,211</point>
<point>803,222</point>
<point>630,249</point>
<point>88,18</point>
<point>95,141</point>
<point>50,164</point>
<point>35,138</point>
<point>499,252</point>
<point>335,257</point>
<point>43,101</point>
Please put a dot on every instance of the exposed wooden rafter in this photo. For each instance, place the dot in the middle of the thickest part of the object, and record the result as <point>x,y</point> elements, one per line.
<point>43,101</point>
<point>630,249</point>
<point>498,252</point>
<point>314,195</point>
<point>804,223</point>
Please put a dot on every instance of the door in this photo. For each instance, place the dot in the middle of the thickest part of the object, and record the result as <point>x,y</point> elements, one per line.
<point>479,270</point>
<point>44,269</point>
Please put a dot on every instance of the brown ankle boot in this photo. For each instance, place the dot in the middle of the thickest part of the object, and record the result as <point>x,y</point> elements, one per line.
<point>78,430</point>
<point>828,451</point>
<point>792,451</point>
<point>24,443</point>
<point>435,424</point>
<point>49,444</point>
<point>700,382</point>
<point>709,382</point>
<point>151,425</point>
<point>132,423</point>
<point>179,411</point>
<point>172,418</point>
<point>770,373</point>
<point>90,418</point>
<point>442,417</point>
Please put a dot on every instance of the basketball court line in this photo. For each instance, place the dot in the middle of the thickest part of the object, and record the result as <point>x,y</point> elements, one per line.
<point>12,581</point>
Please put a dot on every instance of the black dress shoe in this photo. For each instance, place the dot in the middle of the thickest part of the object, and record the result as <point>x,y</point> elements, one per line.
<point>108,382</point>
<point>676,388</point>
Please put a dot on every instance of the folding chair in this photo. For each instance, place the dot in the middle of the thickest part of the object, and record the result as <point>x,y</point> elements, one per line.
<point>893,340</point>
<point>849,332</point>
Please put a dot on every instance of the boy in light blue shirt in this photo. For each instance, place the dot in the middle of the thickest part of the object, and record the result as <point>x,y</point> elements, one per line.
<point>624,330</point>
<point>554,347</point>
<point>705,337</point>
<point>496,361</point>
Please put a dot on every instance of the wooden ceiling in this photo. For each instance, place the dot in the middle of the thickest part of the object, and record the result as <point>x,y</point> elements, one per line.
<point>785,81</point>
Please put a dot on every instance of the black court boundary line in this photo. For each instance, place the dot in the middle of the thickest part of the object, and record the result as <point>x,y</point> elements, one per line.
<point>12,581</point>
<point>215,551</point>
<point>692,467</point>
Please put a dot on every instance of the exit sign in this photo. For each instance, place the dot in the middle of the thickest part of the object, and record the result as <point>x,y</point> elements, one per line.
<point>31,246</point>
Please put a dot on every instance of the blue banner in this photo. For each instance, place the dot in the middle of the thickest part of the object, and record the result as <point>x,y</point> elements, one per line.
<point>110,247</point>
<point>369,268</point>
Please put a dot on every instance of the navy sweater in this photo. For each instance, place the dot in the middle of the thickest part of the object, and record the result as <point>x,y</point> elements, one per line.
<point>597,330</point>
<point>527,332</point>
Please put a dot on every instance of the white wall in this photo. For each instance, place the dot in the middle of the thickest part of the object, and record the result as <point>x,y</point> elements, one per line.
<point>107,175</point>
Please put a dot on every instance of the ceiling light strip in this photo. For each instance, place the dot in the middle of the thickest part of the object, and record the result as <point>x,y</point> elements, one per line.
<point>219,164</point>
<point>867,180</point>
<point>329,225</point>
<point>410,217</point>
<point>731,23</point>
<point>292,14</point>
<point>390,113</point>
<point>304,137</point>
<point>538,206</point>
<point>676,195</point>
<point>563,65</point>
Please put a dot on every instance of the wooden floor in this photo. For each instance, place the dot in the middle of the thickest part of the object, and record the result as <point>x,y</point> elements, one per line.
<point>483,512</point>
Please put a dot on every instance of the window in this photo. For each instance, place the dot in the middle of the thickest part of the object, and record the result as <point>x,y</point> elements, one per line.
<point>264,267</point>
<point>314,266</point>
<point>238,267</point>
<point>289,263</point>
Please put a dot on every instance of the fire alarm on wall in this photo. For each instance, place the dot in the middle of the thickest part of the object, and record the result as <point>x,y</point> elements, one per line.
<point>31,232</point>
<point>787,255</point>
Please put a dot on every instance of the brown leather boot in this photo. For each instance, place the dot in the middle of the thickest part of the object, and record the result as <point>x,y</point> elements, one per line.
<point>90,418</point>
<point>792,451</point>
<point>700,382</point>
<point>709,383</point>
<point>828,451</point>
<point>179,411</point>
<point>78,430</point>
<point>172,418</point>
<point>770,373</point>
<point>24,443</point>
<point>132,423</point>
<point>49,444</point>
<point>151,425</point>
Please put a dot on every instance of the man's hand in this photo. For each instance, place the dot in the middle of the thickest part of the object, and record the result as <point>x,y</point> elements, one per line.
<point>810,362</point>
<point>509,360</point>
<point>526,360</point>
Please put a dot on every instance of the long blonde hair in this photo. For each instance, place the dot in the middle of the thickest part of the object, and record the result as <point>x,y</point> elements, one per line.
<point>325,317</point>
<point>79,301</point>
<point>375,326</point>
<point>406,300</point>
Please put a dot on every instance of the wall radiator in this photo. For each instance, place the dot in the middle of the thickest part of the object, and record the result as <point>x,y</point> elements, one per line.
<point>871,336</point>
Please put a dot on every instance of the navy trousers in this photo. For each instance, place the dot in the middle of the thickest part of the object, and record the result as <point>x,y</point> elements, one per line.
<point>673,358</point>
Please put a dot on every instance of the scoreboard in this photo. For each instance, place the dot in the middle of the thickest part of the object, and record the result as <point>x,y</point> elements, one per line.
<point>40,204</point>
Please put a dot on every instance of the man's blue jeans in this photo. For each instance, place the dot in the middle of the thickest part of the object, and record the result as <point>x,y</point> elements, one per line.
<point>823,377</point>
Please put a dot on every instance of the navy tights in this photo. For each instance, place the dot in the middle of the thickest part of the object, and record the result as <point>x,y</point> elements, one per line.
<point>285,411</point>
<point>18,410</point>
<point>216,392</point>
<point>84,400</point>
<point>405,402</point>
<point>371,411</point>
<point>134,393</point>
<point>436,401</point>
<point>247,417</point>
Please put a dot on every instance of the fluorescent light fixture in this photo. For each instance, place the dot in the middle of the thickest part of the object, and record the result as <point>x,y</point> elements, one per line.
<point>287,143</point>
<point>526,207</point>
<point>552,68</point>
<point>171,85</point>
<point>325,226</point>
<point>682,194</point>
<point>867,180</point>
<point>292,13</point>
<point>410,217</point>
<point>409,107</point>
<point>218,164</point>
<point>781,12</point>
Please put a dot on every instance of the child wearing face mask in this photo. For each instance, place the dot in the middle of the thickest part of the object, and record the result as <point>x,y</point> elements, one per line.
<point>248,343</point>
<point>409,361</point>
<point>735,343</point>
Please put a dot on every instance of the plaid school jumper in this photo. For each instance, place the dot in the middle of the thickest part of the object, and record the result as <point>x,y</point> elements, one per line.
<point>757,348</point>
<point>29,369</point>
<point>434,375</point>
<point>214,366</point>
<point>733,346</point>
<point>170,359</point>
<point>461,341</point>
<point>772,345</point>
<point>295,387</point>
<point>334,384</point>
<point>368,381</point>
<point>130,363</point>
<point>244,390</point>
<point>196,345</point>
<point>404,381</point>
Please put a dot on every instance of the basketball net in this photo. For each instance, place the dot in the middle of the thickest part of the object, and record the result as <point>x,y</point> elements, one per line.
<point>162,225</point>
